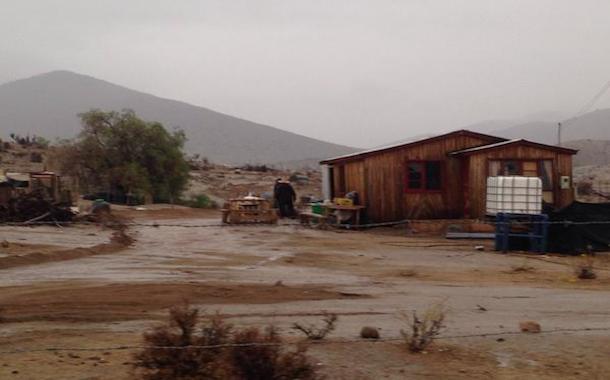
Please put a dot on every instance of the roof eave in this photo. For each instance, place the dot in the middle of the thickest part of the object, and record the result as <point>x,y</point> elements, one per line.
<point>360,155</point>
<point>481,149</point>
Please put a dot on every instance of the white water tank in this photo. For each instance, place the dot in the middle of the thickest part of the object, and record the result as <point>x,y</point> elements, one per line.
<point>514,194</point>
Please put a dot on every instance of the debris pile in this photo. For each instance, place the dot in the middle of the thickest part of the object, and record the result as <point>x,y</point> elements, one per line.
<point>32,208</point>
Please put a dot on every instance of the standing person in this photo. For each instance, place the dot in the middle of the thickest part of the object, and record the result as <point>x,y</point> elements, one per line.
<point>276,199</point>
<point>285,196</point>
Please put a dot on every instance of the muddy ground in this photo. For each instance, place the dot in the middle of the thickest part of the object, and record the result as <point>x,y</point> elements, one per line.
<point>76,288</point>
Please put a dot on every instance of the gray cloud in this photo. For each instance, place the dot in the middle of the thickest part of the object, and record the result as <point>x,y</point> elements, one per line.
<point>352,72</point>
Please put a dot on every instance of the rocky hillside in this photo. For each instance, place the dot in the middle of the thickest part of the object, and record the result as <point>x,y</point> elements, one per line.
<point>48,104</point>
<point>591,152</point>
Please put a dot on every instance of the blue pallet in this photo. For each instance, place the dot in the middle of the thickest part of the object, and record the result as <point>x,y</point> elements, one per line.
<point>537,234</point>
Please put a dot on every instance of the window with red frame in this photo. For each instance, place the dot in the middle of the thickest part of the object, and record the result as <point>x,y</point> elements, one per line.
<point>423,176</point>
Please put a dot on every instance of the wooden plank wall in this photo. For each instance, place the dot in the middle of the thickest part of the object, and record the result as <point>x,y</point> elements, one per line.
<point>384,187</point>
<point>380,181</point>
<point>562,166</point>
<point>338,188</point>
<point>449,202</point>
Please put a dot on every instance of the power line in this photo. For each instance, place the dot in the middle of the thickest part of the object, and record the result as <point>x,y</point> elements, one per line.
<point>585,108</point>
<point>594,100</point>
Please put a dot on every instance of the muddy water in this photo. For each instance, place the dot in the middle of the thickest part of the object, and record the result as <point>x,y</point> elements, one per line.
<point>239,254</point>
<point>356,263</point>
<point>398,275</point>
<point>68,237</point>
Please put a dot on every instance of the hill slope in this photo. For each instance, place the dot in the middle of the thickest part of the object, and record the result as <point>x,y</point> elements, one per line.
<point>47,105</point>
<point>590,152</point>
<point>593,125</point>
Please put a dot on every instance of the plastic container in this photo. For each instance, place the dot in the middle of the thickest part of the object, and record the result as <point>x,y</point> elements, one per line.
<point>343,201</point>
<point>515,195</point>
<point>317,208</point>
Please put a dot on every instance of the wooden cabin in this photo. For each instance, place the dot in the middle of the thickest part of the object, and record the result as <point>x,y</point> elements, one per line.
<point>444,176</point>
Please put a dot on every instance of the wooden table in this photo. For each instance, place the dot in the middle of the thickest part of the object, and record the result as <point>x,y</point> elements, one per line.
<point>355,210</point>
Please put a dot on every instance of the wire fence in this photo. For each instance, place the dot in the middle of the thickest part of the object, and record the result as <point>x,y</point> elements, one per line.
<point>343,226</point>
<point>316,342</point>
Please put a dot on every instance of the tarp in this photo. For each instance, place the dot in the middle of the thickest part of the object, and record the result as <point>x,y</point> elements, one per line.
<point>18,177</point>
<point>580,238</point>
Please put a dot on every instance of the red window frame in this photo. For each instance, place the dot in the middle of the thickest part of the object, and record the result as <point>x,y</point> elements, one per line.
<point>424,177</point>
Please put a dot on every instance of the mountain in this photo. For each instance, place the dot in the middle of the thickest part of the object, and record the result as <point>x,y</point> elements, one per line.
<point>48,104</point>
<point>590,152</point>
<point>593,125</point>
<point>589,133</point>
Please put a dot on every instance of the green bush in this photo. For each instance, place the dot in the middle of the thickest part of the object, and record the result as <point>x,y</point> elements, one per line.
<point>202,201</point>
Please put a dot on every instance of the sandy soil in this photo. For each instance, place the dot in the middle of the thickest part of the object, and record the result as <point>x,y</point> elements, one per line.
<point>160,212</point>
<point>221,183</point>
<point>125,301</point>
<point>257,275</point>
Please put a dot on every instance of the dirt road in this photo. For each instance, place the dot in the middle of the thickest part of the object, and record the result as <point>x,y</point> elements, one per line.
<point>256,275</point>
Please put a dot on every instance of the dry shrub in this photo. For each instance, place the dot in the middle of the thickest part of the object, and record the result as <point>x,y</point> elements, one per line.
<point>121,233</point>
<point>422,332</point>
<point>36,157</point>
<point>584,269</point>
<point>408,273</point>
<point>182,351</point>
<point>186,361</point>
<point>584,188</point>
<point>314,332</point>
<point>261,357</point>
<point>523,268</point>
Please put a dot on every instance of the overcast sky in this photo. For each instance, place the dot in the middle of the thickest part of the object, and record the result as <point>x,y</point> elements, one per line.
<point>360,73</point>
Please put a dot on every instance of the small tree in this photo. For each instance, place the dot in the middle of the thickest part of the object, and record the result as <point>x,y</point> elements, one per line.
<point>125,155</point>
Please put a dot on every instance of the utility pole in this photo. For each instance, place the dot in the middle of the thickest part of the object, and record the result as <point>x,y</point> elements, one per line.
<point>586,108</point>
